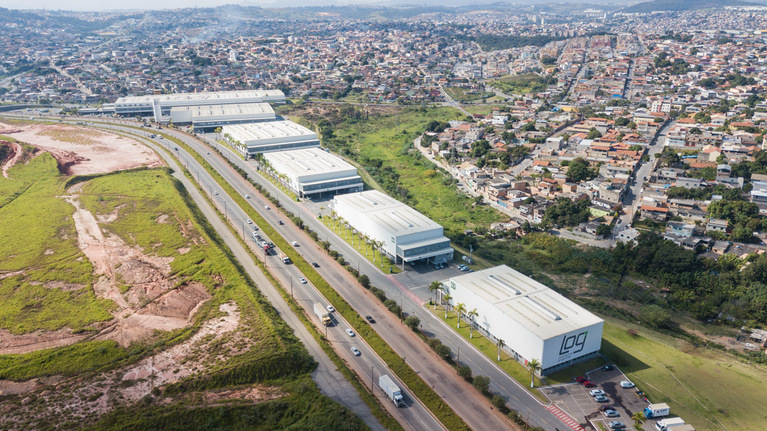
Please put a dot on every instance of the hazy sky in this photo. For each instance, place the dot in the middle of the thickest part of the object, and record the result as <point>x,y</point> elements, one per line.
<point>96,5</point>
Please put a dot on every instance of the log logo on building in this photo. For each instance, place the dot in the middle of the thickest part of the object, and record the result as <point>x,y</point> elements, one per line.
<point>573,343</point>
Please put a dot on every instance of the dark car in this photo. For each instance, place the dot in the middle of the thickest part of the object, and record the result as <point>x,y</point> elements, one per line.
<point>280,222</point>
<point>606,407</point>
<point>370,319</point>
<point>608,367</point>
<point>315,264</point>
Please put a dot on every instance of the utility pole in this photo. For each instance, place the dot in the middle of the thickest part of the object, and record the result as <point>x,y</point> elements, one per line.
<point>371,379</point>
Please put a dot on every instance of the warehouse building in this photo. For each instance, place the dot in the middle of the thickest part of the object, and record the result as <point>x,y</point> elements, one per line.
<point>207,118</point>
<point>403,233</point>
<point>161,104</point>
<point>534,321</point>
<point>313,172</point>
<point>251,139</point>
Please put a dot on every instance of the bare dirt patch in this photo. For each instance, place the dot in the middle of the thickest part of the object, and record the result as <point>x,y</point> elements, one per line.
<point>82,151</point>
<point>15,156</point>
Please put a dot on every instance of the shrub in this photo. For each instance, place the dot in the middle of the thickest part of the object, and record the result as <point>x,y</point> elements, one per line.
<point>412,322</point>
<point>482,383</point>
<point>500,403</point>
<point>443,351</point>
<point>465,372</point>
<point>364,281</point>
<point>389,303</point>
<point>434,342</point>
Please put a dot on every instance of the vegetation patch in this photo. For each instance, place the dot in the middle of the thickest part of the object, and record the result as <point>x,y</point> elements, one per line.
<point>523,84</point>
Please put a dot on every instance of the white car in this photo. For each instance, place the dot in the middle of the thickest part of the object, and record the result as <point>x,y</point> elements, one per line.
<point>250,221</point>
<point>247,196</point>
<point>330,308</point>
<point>356,351</point>
<point>626,384</point>
<point>215,193</point>
<point>350,332</point>
<point>267,207</point>
<point>596,392</point>
<point>302,280</point>
<point>295,243</point>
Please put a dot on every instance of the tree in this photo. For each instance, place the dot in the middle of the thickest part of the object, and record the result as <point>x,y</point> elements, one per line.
<point>465,372</point>
<point>482,383</point>
<point>412,322</point>
<point>603,229</point>
<point>593,134</point>
<point>501,343</point>
<point>534,365</point>
<point>655,316</point>
<point>472,314</point>
<point>460,308</point>
<point>435,287</point>
<point>578,171</point>
<point>638,419</point>
<point>446,299</point>
<point>479,148</point>
<point>364,281</point>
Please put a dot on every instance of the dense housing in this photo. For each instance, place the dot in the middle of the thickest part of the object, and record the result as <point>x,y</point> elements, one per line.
<point>534,321</point>
<point>312,171</point>
<point>403,233</point>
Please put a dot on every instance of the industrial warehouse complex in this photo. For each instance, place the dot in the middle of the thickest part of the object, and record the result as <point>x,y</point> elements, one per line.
<point>161,104</point>
<point>312,171</point>
<point>534,321</point>
<point>403,233</point>
<point>251,139</point>
<point>207,118</point>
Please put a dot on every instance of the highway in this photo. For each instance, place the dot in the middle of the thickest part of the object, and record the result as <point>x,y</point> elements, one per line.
<point>474,409</point>
<point>414,417</point>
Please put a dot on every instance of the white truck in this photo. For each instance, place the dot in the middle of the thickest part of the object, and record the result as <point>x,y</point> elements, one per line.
<point>392,390</point>
<point>668,424</point>
<point>285,259</point>
<point>656,410</point>
<point>322,313</point>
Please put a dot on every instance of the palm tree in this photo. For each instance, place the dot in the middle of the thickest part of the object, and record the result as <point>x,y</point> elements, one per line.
<point>638,418</point>
<point>472,314</point>
<point>435,287</point>
<point>446,299</point>
<point>534,365</point>
<point>501,343</point>
<point>460,308</point>
<point>366,239</point>
<point>333,216</point>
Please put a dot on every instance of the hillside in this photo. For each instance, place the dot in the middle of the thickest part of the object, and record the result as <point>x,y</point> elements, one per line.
<point>683,5</point>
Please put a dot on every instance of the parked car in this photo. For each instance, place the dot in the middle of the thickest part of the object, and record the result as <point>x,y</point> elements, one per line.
<point>595,392</point>
<point>608,367</point>
<point>350,332</point>
<point>606,407</point>
<point>627,384</point>
<point>581,379</point>
<point>370,319</point>
<point>356,351</point>
<point>600,399</point>
<point>589,384</point>
<point>610,413</point>
<point>302,280</point>
<point>616,425</point>
<point>330,308</point>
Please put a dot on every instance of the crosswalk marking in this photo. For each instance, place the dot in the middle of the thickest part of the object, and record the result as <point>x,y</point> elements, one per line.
<point>564,417</point>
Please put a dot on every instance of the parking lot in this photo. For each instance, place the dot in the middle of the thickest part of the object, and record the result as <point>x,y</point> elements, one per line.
<point>576,400</point>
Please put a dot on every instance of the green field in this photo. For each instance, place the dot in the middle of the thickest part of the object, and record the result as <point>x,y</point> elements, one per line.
<point>520,84</point>
<point>709,389</point>
<point>383,144</point>
<point>463,95</point>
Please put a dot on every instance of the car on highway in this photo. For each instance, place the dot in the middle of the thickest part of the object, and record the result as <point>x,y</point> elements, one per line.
<point>255,228</point>
<point>370,319</point>
<point>330,308</point>
<point>350,332</point>
<point>281,222</point>
<point>302,280</point>
<point>610,413</point>
<point>627,384</point>
<point>596,392</point>
<point>356,351</point>
<point>295,243</point>
<point>600,399</point>
<point>267,207</point>
<point>247,196</point>
<point>249,221</point>
<point>315,264</point>
<point>215,193</point>
<point>616,425</point>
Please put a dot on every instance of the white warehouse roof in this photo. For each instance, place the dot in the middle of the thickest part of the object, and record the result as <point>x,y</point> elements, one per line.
<point>217,97</point>
<point>261,110</point>
<point>308,162</point>
<point>269,131</point>
<point>541,310</point>
<point>390,214</point>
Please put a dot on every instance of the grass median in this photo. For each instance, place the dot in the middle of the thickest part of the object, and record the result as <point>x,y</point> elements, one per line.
<point>420,389</point>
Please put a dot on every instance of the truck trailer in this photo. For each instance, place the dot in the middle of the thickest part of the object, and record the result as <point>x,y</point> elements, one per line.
<point>668,424</point>
<point>656,410</point>
<point>392,390</point>
<point>322,313</point>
